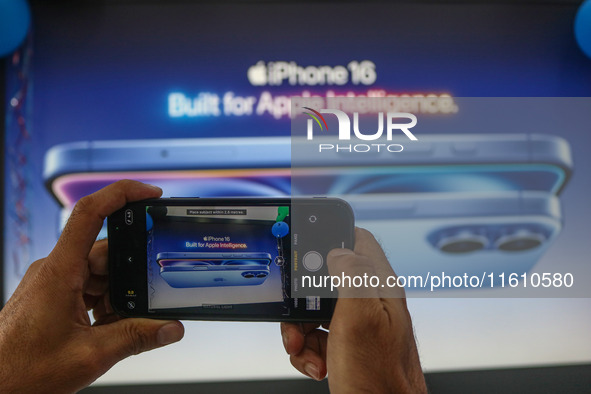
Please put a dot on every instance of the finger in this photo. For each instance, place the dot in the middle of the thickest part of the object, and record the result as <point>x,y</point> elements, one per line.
<point>128,337</point>
<point>367,245</point>
<point>98,258</point>
<point>369,262</point>
<point>357,306</point>
<point>293,335</point>
<point>97,285</point>
<point>347,270</point>
<point>89,213</point>
<point>102,310</point>
<point>99,312</point>
<point>370,247</point>
<point>311,360</point>
<point>98,280</point>
<point>90,301</point>
<point>293,339</point>
<point>106,319</point>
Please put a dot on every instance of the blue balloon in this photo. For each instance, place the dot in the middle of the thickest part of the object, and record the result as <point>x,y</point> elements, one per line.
<point>15,18</point>
<point>280,229</point>
<point>583,27</point>
<point>149,222</point>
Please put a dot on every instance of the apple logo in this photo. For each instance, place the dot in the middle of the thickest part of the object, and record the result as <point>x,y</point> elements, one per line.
<point>257,74</point>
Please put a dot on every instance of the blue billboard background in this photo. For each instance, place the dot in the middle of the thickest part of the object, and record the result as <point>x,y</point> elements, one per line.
<point>107,72</point>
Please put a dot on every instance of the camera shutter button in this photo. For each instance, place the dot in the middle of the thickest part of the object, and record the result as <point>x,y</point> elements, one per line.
<point>313,261</point>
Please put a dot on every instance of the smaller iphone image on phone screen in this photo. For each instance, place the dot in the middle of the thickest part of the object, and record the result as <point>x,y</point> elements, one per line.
<point>217,257</point>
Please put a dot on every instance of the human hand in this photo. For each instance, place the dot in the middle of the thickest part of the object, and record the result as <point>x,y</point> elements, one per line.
<point>47,342</point>
<point>370,346</point>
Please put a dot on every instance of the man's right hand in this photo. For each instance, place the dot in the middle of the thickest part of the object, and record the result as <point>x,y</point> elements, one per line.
<point>370,346</point>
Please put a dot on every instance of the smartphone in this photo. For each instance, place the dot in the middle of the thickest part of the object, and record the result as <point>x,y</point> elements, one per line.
<point>272,167</point>
<point>190,269</point>
<point>275,167</point>
<point>223,258</point>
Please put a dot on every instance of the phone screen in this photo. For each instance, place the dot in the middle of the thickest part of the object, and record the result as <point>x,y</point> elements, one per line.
<point>218,259</point>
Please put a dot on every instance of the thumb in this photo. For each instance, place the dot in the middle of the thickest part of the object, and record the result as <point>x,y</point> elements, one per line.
<point>346,268</point>
<point>132,336</point>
